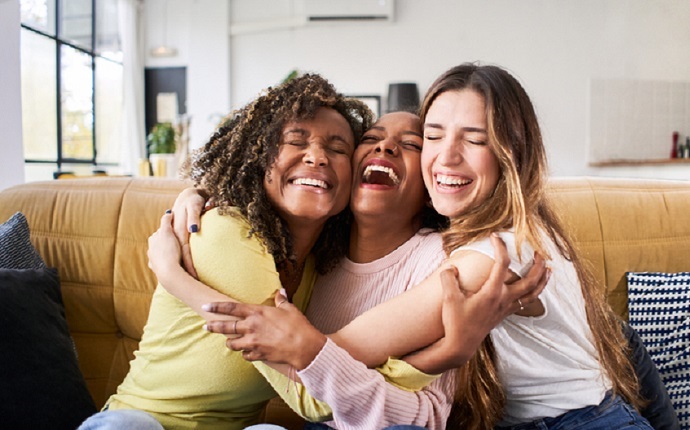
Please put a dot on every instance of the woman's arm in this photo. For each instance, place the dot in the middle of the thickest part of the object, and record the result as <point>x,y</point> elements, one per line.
<point>337,378</point>
<point>402,325</point>
<point>412,320</point>
<point>451,350</point>
<point>187,210</point>
<point>164,260</point>
<point>329,373</point>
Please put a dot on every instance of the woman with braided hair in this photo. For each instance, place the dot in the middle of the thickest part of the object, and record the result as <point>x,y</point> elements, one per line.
<point>279,170</point>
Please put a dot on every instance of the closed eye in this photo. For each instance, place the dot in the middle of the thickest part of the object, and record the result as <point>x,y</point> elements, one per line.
<point>477,142</point>
<point>369,139</point>
<point>412,145</point>
<point>298,143</point>
<point>340,147</point>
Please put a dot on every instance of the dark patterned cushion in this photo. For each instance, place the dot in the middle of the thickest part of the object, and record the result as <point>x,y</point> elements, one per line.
<point>41,386</point>
<point>659,305</point>
<point>16,251</point>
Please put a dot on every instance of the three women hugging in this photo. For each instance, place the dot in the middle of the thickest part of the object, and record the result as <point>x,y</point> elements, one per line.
<point>447,282</point>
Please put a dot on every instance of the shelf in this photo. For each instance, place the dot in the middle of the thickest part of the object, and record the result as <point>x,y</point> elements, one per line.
<point>615,163</point>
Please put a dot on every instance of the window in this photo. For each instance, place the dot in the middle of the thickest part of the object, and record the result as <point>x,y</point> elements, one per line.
<point>71,66</point>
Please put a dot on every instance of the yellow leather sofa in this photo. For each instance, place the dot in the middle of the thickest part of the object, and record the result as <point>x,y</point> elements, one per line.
<point>95,232</point>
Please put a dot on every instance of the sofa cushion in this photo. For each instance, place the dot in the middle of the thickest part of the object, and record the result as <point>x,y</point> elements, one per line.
<point>659,306</point>
<point>16,251</point>
<point>42,386</point>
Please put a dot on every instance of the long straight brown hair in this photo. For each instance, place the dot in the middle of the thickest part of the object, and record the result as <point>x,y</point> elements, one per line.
<point>519,202</point>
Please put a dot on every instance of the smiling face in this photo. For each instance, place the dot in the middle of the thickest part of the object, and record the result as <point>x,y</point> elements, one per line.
<point>460,170</point>
<point>311,175</point>
<point>387,173</point>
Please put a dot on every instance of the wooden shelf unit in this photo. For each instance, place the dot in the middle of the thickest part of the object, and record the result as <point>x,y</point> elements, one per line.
<point>614,163</point>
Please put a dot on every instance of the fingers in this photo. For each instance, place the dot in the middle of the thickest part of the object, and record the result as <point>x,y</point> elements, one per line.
<point>499,270</point>
<point>210,204</point>
<point>194,209</point>
<point>179,226</point>
<point>500,255</point>
<point>228,328</point>
<point>187,261</point>
<point>450,282</point>
<point>166,221</point>
<point>280,298</point>
<point>241,310</point>
<point>528,288</point>
<point>247,350</point>
<point>539,286</point>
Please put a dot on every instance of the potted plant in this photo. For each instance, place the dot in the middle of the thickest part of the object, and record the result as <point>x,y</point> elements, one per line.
<point>161,147</point>
<point>161,139</point>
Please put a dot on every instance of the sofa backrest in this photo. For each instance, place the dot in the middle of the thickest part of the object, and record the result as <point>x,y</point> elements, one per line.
<point>626,225</point>
<point>95,232</point>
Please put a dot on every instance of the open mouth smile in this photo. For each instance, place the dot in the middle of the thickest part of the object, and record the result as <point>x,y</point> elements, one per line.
<point>376,174</point>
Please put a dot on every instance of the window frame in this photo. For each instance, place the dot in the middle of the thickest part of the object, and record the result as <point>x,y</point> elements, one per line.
<point>93,54</point>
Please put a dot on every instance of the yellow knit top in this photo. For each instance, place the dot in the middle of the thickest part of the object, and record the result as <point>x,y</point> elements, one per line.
<point>186,377</point>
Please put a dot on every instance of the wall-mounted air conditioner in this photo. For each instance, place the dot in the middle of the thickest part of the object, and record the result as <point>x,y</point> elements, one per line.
<point>306,12</point>
<point>349,10</point>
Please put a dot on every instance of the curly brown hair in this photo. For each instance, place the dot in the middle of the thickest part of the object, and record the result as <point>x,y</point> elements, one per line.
<point>232,165</point>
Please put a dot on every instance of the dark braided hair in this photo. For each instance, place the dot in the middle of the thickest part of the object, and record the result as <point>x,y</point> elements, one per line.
<point>232,165</point>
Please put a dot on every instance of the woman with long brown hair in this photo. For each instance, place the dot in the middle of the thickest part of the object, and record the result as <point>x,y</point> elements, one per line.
<point>562,360</point>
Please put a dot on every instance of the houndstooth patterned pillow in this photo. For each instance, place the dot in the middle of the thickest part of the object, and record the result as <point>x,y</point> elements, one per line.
<point>16,251</point>
<point>659,306</point>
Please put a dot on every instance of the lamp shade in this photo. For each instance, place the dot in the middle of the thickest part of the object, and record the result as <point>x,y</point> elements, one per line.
<point>403,97</point>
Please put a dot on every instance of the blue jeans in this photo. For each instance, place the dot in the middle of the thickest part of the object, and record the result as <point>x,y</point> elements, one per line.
<point>611,413</point>
<point>322,426</point>
<point>121,419</point>
<point>265,427</point>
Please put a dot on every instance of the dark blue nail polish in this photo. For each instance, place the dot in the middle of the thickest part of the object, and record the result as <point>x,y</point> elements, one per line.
<point>169,211</point>
<point>193,228</point>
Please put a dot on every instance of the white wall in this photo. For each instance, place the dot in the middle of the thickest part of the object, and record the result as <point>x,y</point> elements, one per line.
<point>12,164</point>
<point>198,29</point>
<point>553,46</point>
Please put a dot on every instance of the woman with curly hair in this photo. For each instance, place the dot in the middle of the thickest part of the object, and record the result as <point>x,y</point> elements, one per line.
<point>280,172</point>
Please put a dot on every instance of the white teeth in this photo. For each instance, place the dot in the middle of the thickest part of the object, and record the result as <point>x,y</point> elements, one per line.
<point>451,180</point>
<point>376,168</point>
<point>312,182</point>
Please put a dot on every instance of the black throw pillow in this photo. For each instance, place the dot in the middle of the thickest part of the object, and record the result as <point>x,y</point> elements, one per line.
<point>16,250</point>
<point>41,386</point>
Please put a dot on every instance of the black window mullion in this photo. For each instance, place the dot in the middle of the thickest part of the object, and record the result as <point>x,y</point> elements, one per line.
<point>58,80</point>
<point>93,79</point>
<point>61,43</point>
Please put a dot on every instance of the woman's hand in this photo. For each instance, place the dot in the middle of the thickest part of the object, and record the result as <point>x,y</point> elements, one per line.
<point>469,317</point>
<point>187,210</point>
<point>279,334</point>
<point>164,250</point>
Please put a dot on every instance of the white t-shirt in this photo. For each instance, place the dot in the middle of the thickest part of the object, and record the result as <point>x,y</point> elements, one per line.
<point>548,364</point>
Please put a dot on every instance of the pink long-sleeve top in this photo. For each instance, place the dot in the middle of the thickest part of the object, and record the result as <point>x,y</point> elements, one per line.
<point>360,397</point>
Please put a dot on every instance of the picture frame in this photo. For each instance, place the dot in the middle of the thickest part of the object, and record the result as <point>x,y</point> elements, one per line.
<point>371,100</point>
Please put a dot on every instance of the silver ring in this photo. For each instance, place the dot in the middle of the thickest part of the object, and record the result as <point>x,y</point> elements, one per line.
<point>234,327</point>
<point>520,303</point>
